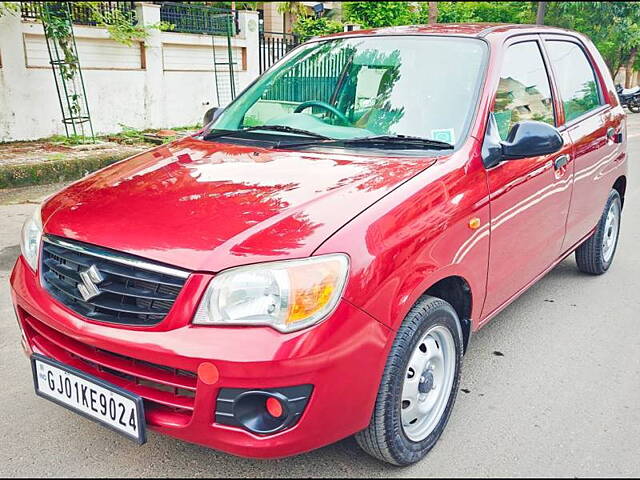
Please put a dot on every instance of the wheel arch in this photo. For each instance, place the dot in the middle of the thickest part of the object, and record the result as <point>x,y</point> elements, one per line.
<point>620,185</point>
<point>456,291</point>
<point>450,286</point>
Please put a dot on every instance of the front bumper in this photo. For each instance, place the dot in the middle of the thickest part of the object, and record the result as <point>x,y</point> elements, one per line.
<point>342,358</point>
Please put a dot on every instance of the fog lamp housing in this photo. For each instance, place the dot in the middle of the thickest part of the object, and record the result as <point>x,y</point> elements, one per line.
<point>262,411</point>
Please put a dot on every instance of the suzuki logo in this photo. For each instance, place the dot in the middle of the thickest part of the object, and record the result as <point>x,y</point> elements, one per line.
<point>90,277</point>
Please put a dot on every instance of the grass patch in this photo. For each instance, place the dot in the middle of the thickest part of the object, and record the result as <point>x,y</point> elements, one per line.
<point>55,157</point>
<point>58,167</point>
<point>196,126</point>
<point>12,176</point>
<point>71,140</point>
<point>128,136</point>
<point>132,136</point>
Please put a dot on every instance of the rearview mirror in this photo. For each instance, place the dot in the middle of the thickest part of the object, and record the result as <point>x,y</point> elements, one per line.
<point>526,139</point>
<point>211,115</point>
<point>531,139</point>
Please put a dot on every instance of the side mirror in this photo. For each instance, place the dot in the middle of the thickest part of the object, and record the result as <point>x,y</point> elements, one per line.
<point>526,139</point>
<point>211,115</point>
<point>531,139</point>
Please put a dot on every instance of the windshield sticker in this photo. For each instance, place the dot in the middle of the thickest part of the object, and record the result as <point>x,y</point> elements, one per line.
<point>443,135</point>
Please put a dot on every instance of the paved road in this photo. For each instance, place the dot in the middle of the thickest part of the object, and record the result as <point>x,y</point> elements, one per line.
<point>562,400</point>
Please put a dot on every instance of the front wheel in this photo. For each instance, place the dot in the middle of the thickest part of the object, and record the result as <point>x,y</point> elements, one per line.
<point>634,105</point>
<point>595,255</point>
<point>419,385</point>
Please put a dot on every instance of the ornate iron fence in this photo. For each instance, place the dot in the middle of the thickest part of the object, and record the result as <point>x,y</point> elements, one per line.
<point>190,18</point>
<point>81,14</point>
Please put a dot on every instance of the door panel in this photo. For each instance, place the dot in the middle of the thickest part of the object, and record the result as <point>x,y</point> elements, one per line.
<point>594,156</point>
<point>593,127</point>
<point>529,207</point>
<point>529,197</point>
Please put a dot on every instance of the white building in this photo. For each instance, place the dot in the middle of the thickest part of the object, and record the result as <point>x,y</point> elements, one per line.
<point>165,81</point>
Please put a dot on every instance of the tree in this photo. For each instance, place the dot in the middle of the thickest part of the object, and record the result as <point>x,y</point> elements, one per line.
<point>614,27</point>
<point>295,9</point>
<point>501,12</point>
<point>378,14</point>
<point>542,10</point>
<point>307,27</point>
<point>433,13</point>
<point>629,67</point>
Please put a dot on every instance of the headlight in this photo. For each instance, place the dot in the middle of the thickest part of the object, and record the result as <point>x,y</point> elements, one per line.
<point>30,239</point>
<point>287,295</point>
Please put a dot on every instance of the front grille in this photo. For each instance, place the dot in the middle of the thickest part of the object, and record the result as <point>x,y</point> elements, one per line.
<point>166,390</point>
<point>131,291</point>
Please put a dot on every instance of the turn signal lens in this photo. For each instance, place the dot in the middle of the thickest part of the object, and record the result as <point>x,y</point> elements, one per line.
<point>30,239</point>
<point>311,289</point>
<point>287,295</point>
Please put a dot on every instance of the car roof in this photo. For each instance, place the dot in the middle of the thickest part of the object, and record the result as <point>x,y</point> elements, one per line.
<point>479,30</point>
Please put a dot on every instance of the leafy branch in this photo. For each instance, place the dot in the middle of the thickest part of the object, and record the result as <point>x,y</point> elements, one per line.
<point>122,25</point>
<point>57,25</point>
<point>9,8</point>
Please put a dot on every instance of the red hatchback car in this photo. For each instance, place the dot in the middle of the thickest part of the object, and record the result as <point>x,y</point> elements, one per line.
<point>313,263</point>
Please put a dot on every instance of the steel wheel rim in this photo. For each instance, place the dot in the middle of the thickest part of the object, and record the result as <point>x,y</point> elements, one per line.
<point>611,227</point>
<point>427,383</point>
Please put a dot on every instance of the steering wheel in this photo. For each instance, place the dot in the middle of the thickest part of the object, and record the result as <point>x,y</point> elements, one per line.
<point>330,108</point>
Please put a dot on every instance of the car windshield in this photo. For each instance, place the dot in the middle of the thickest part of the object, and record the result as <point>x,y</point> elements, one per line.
<point>358,87</point>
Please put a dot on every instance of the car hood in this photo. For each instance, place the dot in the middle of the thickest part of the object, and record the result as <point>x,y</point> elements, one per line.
<point>207,206</point>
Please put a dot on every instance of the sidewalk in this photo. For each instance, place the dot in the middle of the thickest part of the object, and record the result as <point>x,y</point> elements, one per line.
<point>40,162</point>
<point>54,160</point>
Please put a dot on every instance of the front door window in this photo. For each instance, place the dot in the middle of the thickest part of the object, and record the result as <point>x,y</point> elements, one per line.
<point>523,92</point>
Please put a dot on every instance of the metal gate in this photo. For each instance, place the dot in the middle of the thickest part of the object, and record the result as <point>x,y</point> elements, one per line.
<point>273,46</point>
<point>222,25</point>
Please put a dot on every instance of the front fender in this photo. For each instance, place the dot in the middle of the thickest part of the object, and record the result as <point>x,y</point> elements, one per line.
<point>417,236</point>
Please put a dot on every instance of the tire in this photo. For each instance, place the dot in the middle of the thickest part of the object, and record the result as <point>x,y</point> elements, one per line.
<point>634,105</point>
<point>596,254</point>
<point>386,437</point>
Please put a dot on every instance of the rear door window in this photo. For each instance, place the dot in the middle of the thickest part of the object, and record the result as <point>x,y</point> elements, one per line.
<point>523,91</point>
<point>575,78</point>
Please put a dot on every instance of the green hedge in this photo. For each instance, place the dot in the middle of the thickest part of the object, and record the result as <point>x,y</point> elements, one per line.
<point>12,176</point>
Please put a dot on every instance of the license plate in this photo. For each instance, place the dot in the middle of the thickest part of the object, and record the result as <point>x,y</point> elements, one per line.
<point>91,397</point>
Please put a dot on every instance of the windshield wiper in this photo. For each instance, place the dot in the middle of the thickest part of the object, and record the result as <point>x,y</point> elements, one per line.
<point>400,141</point>
<point>385,141</point>
<point>273,128</point>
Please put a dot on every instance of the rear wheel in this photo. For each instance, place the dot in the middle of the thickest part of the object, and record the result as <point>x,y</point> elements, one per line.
<point>634,105</point>
<point>418,387</point>
<point>596,254</point>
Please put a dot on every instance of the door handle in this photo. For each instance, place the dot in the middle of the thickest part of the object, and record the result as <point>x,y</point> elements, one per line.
<point>560,161</point>
<point>612,135</point>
